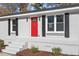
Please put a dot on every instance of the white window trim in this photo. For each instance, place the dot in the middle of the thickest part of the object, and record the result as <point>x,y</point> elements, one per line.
<point>12,27</point>
<point>54,24</point>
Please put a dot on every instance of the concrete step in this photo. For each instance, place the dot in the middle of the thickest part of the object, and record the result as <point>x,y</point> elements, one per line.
<point>9,51</point>
<point>12,48</point>
<point>19,40</point>
<point>15,46</point>
<point>16,43</point>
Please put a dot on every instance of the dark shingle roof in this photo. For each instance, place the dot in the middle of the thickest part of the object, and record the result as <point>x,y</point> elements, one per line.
<point>59,7</point>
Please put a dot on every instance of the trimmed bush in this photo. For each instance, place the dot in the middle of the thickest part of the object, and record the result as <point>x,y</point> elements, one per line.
<point>1,43</point>
<point>56,51</point>
<point>34,49</point>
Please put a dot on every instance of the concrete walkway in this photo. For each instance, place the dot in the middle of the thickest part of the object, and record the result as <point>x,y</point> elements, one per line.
<point>4,54</point>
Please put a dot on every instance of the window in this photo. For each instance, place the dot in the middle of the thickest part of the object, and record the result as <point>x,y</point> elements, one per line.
<point>59,23</point>
<point>34,19</point>
<point>13,26</point>
<point>50,23</point>
<point>55,23</point>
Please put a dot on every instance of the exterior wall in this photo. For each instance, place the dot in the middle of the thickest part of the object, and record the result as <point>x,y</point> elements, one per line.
<point>3,30</point>
<point>23,28</point>
<point>68,45</point>
<point>23,31</point>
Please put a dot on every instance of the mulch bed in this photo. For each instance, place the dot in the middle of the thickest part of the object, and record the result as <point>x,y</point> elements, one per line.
<point>28,52</point>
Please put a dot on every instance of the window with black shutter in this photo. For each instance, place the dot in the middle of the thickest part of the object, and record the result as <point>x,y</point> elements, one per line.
<point>13,26</point>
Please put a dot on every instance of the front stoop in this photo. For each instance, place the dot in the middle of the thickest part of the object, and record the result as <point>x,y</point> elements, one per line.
<point>5,54</point>
<point>15,46</point>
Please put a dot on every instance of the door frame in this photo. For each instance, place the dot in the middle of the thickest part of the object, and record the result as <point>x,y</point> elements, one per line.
<point>31,25</point>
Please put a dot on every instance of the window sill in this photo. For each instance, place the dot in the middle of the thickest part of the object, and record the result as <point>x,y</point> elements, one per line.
<point>13,32</point>
<point>51,33</point>
<point>55,32</point>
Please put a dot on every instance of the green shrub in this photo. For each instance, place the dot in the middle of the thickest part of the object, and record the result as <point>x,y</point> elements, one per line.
<point>56,51</point>
<point>34,49</point>
<point>1,43</point>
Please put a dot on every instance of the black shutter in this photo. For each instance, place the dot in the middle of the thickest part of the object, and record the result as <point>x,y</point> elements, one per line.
<point>43,25</point>
<point>67,25</point>
<point>16,26</point>
<point>9,27</point>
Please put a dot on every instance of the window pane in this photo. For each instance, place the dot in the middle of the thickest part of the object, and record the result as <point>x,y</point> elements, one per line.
<point>59,27</point>
<point>50,27</point>
<point>59,18</point>
<point>14,22</point>
<point>50,19</point>
<point>14,28</point>
<point>34,19</point>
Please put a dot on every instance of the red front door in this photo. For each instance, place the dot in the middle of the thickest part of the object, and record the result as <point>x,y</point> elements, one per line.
<point>34,26</point>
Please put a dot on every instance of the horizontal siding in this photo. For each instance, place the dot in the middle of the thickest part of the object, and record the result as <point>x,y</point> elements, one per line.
<point>66,48</point>
<point>55,34</point>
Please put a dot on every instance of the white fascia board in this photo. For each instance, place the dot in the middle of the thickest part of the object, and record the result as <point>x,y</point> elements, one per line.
<point>42,12</point>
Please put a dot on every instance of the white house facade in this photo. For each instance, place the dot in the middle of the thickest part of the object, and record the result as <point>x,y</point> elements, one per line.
<point>43,29</point>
